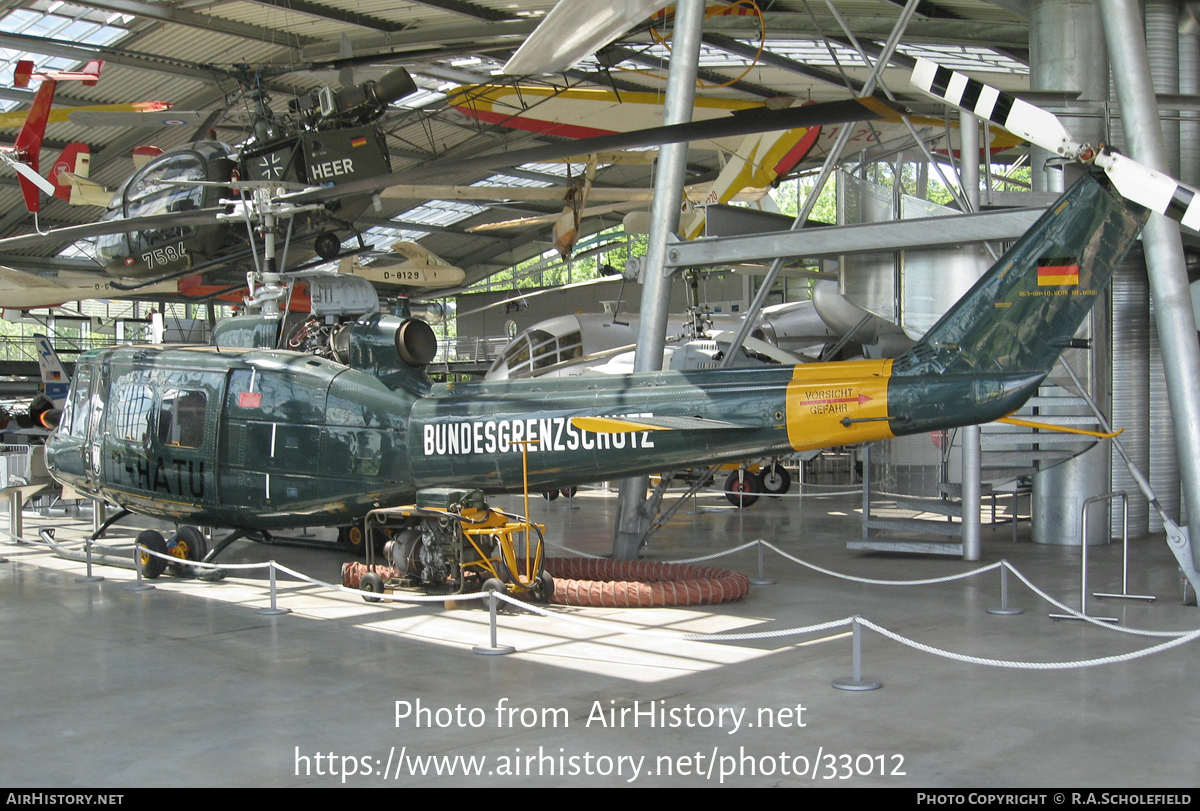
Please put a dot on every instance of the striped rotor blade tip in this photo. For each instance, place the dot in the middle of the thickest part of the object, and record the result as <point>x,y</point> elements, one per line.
<point>1019,117</point>
<point>1154,190</point>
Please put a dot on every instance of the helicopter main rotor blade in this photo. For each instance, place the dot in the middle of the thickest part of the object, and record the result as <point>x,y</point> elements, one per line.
<point>202,216</point>
<point>743,123</point>
<point>747,122</point>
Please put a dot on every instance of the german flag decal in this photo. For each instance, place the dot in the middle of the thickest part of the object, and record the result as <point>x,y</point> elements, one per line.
<point>1058,272</point>
<point>360,141</point>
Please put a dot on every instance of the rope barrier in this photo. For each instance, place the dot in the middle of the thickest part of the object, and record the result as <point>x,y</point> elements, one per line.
<point>1174,638</point>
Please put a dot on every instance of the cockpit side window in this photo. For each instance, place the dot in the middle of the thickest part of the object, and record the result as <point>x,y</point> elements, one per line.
<point>164,189</point>
<point>132,404</point>
<point>181,418</point>
<point>75,413</point>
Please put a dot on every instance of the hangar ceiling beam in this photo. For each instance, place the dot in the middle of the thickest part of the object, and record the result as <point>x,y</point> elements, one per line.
<point>333,14</point>
<point>831,241</point>
<point>467,10</point>
<point>164,13</point>
<point>116,56</point>
<point>620,54</point>
<point>479,35</point>
<point>734,46</point>
<point>793,26</point>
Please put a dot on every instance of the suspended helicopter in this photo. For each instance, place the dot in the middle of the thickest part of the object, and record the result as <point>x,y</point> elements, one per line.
<point>164,213</point>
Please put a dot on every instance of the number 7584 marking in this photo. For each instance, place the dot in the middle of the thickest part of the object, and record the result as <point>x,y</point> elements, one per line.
<point>161,256</point>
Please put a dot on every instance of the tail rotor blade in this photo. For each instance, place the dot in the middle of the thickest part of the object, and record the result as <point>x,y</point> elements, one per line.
<point>1154,190</point>
<point>1021,118</point>
<point>31,175</point>
<point>1135,182</point>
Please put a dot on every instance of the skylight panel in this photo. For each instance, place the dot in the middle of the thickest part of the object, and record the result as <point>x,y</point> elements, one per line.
<point>58,21</point>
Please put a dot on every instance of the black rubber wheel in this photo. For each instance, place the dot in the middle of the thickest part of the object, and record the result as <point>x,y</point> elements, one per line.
<point>327,245</point>
<point>569,492</point>
<point>775,479</point>
<point>372,584</point>
<point>544,591</point>
<point>153,540</point>
<point>492,584</point>
<point>742,488</point>
<point>550,495</point>
<point>353,539</point>
<point>189,543</point>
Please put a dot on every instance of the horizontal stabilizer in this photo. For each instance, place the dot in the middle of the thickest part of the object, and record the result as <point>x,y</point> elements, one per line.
<point>623,425</point>
<point>130,118</point>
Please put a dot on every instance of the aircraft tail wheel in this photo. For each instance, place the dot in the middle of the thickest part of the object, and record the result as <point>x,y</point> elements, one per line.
<point>353,538</point>
<point>776,480</point>
<point>327,245</point>
<point>372,584</point>
<point>742,488</point>
<point>189,544</point>
<point>153,540</point>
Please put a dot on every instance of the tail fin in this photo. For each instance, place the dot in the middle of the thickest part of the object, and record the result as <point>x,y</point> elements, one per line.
<point>1024,311</point>
<point>759,161</point>
<point>91,72</point>
<point>54,377</point>
<point>23,73</point>
<point>28,146</point>
<point>70,173</point>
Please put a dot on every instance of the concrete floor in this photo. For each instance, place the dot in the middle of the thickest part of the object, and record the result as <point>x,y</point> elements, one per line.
<point>186,685</point>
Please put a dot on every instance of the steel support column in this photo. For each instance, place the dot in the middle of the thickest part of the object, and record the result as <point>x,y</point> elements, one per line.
<point>1164,250</point>
<point>972,457</point>
<point>656,284</point>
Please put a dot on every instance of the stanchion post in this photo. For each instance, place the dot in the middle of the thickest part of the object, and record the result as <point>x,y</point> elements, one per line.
<point>762,579</point>
<point>856,683</point>
<point>14,512</point>
<point>139,584</point>
<point>89,577</point>
<point>493,649</point>
<point>1124,595</point>
<point>1083,557</point>
<point>274,609</point>
<point>1005,609</point>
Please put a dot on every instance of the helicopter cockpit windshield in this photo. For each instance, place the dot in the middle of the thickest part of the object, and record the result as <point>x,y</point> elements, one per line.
<point>162,187</point>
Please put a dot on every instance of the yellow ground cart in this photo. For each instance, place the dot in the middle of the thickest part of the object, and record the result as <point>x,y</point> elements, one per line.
<point>452,542</point>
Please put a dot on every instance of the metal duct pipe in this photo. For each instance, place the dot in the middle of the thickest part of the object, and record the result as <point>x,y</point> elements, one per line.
<point>1189,83</point>
<point>1162,50</point>
<point>1164,455</point>
<point>1130,319</point>
<point>1067,53</point>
